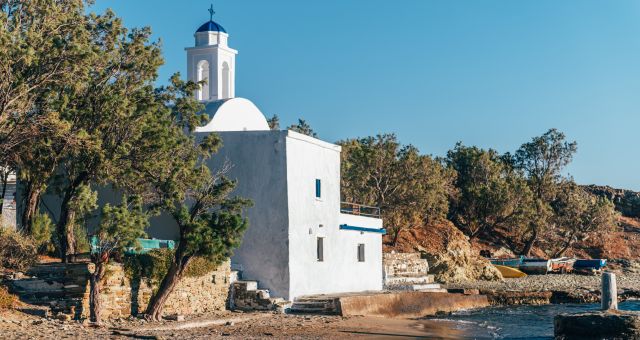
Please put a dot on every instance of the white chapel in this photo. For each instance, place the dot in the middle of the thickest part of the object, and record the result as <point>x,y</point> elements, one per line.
<point>301,239</point>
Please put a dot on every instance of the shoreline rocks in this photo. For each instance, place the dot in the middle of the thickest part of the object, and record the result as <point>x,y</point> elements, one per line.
<point>598,325</point>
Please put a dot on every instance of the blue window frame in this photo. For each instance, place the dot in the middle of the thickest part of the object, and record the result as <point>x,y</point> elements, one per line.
<point>318,189</point>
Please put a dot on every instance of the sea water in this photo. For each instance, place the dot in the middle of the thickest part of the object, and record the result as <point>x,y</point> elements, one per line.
<point>515,322</point>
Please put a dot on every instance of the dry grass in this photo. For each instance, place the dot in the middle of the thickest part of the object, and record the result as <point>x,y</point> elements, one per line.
<point>7,300</point>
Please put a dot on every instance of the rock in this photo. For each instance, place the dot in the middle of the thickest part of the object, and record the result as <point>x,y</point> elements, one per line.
<point>63,317</point>
<point>175,317</point>
<point>457,261</point>
<point>598,325</point>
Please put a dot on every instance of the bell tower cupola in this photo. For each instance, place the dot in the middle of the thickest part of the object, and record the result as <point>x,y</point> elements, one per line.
<point>211,60</point>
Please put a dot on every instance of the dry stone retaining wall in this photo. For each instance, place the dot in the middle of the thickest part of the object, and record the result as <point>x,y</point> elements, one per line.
<point>65,288</point>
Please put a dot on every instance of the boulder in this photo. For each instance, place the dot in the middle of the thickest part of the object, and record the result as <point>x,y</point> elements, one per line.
<point>456,261</point>
<point>598,325</point>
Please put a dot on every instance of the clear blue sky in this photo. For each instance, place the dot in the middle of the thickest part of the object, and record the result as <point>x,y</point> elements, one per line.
<point>487,73</point>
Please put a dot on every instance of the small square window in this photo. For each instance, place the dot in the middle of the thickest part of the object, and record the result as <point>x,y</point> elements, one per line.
<point>361,252</point>
<point>318,189</point>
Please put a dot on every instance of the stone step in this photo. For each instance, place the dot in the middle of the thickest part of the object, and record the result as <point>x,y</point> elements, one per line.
<point>409,273</point>
<point>246,285</point>
<point>313,308</point>
<point>392,280</point>
<point>416,287</point>
<point>235,276</point>
<point>429,286</point>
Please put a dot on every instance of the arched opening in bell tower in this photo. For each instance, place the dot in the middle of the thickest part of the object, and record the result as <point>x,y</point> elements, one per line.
<point>225,80</point>
<point>203,75</point>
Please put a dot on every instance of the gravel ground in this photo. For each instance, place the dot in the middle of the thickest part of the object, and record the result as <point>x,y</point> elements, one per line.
<point>229,325</point>
<point>553,282</point>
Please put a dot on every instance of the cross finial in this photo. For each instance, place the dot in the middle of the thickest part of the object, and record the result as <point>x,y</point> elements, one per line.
<point>211,12</point>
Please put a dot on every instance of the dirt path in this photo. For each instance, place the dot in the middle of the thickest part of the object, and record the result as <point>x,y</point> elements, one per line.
<point>228,325</point>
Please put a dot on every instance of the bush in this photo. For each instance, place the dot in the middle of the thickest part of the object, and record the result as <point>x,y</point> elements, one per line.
<point>82,239</point>
<point>153,266</point>
<point>42,232</point>
<point>200,266</point>
<point>17,251</point>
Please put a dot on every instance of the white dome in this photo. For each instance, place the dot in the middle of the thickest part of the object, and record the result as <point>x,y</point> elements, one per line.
<point>234,114</point>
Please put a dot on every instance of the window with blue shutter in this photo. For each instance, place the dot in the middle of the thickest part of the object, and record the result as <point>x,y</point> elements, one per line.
<point>318,189</point>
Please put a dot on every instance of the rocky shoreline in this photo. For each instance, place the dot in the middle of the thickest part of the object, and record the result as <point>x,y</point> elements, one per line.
<point>551,288</point>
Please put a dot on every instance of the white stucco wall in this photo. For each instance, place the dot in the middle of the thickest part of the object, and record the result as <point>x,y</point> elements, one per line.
<point>258,159</point>
<point>309,159</point>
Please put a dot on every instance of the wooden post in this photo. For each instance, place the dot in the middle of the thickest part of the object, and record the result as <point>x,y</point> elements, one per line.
<point>609,291</point>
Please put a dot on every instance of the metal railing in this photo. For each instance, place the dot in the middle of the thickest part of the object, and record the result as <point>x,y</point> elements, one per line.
<point>359,209</point>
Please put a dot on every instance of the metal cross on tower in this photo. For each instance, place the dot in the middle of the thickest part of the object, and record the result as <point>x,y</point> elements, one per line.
<point>211,12</point>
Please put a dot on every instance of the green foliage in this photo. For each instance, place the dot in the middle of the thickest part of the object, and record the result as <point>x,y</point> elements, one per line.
<point>151,267</point>
<point>542,161</point>
<point>17,251</point>
<point>176,178</point>
<point>43,48</point>
<point>83,204</point>
<point>490,193</point>
<point>200,266</point>
<point>274,122</point>
<point>577,215</point>
<point>121,225</point>
<point>303,127</point>
<point>411,189</point>
<point>42,232</point>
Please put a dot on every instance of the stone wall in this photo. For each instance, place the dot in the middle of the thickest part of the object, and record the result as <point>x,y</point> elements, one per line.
<point>193,295</point>
<point>396,264</point>
<point>65,288</point>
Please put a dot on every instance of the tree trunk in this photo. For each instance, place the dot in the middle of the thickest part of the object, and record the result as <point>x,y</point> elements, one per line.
<point>64,228</point>
<point>178,265</point>
<point>530,242</point>
<point>5,177</point>
<point>95,306</point>
<point>566,246</point>
<point>32,199</point>
<point>396,237</point>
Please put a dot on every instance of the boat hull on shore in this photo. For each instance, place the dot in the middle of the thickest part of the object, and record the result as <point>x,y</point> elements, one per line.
<point>535,266</point>
<point>509,272</point>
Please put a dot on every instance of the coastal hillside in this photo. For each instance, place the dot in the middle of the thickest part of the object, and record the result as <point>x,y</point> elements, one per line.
<point>627,202</point>
<point>502,204</point>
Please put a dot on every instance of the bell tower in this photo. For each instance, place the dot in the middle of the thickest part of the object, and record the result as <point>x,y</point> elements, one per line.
<point>213,61</point>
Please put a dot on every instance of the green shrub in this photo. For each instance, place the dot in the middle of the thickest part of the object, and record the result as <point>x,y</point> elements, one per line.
<point>153,266</point>
<point>42,231</point>
<point>200,266</point>
<point>82,239</point>
<point>17,251</point>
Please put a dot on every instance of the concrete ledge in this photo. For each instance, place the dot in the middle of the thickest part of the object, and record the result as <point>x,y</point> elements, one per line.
<point>598,325</point>
<point>408,304</point>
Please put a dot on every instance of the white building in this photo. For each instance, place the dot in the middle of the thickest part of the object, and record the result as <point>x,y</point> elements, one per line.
<point>298,241</point>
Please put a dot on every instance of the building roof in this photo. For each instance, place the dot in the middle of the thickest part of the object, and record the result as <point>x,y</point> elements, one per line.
<point>233,114</point>
<point>211,26</point>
